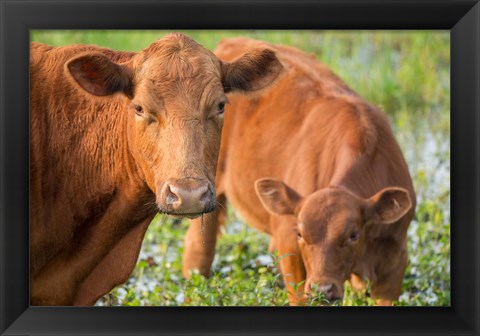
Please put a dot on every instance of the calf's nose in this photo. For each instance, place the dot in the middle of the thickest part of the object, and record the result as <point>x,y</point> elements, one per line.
<point>326,289</point>
<point>329,290</point>
<point>187,196</point>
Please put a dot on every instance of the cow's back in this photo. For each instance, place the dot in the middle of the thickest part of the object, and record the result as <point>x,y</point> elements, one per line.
<point>305,130</point>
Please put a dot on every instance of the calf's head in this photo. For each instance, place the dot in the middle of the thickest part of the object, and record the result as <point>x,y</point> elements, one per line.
<point>176,92</point>
<point>331,226</point>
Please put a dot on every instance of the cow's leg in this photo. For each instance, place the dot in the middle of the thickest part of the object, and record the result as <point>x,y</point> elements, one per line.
<point>388,286</point>
<point>114,269</point>
<point>272,247</point>
<point>291,263</point>
<point>57,283</point>
<point>201,239</point>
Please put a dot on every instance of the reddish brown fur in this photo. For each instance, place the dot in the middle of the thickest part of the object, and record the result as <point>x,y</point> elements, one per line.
<point>101,169</point>
<point>329,152</point>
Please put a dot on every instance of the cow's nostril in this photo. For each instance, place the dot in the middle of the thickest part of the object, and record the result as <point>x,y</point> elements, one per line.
<point>171,197</point>
<point>207,195</point>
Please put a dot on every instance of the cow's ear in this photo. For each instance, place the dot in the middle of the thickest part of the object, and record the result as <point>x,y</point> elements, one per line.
<point>98,75</point>
<point>253,71</point>
<point>388,206</point>
<point>277,197</point>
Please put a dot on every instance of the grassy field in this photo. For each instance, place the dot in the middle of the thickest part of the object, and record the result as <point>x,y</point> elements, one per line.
<point>407,74</point>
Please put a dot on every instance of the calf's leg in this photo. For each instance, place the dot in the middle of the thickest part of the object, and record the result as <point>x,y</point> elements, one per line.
<point>388,286</point>
<point>291,263</point>
<point>357,283</point>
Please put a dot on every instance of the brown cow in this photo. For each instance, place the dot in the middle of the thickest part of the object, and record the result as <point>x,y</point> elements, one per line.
<point>340,197</point>
<point>115,138</point>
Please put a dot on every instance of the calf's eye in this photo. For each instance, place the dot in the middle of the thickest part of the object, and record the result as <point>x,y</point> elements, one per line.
<point>299,235</point>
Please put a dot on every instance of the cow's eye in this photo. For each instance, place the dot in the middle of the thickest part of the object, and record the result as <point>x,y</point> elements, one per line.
<point>221,107</point>
<point>299,235</point>
<point>354,236</point>
<point>138,109</point>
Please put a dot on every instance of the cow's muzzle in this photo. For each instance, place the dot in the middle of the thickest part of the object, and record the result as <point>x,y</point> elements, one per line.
<point>187,197</point>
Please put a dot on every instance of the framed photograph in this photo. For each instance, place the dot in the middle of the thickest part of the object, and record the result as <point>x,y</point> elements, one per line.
<point>407,72</point>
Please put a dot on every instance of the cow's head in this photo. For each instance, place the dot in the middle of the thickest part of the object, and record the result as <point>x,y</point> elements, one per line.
<point>330,226</point>
<point>177,91</point>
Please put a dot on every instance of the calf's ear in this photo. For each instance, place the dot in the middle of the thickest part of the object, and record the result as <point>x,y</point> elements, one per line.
<point>388,206</point>
<point>277,197</point>
<point>253,71</point>
<point>98,75</point>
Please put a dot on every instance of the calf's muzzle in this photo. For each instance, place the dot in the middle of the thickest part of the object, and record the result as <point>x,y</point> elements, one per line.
<point>331,291</point>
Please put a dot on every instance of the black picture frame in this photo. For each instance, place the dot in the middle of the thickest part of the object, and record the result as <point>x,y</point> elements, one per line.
<point>461,17</point>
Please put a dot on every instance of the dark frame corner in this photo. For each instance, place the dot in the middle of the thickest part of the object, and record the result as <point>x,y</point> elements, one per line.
<point>461,17</point>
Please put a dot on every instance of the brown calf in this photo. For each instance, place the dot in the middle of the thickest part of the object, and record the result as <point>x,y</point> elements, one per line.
<point>115,138</point>
<point>318,168</point>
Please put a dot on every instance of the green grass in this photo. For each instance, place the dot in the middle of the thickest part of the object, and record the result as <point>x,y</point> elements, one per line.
<point>407,74</point>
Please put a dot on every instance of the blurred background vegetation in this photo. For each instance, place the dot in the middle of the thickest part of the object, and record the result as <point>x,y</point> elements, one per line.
<point>407,74</point>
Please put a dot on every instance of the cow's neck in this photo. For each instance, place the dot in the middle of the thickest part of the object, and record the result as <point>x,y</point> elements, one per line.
<point>103,160</point>
<point>126,174</point>
<point>81,165</point>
